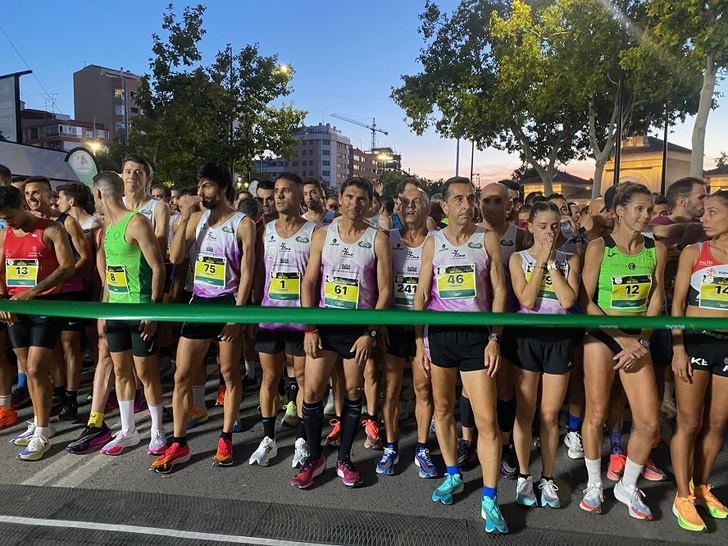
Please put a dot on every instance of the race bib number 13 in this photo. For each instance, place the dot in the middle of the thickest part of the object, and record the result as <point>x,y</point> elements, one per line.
<point>21,272</point>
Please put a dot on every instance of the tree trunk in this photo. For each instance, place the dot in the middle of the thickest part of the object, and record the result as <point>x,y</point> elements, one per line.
<point>597,184</point>
<point>701,118</point>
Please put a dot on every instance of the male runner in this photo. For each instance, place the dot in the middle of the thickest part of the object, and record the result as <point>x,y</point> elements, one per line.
<point>351,261</point>
<point>313,198</point>
<point>220,241</point>
<point>265,194</point>
<point>137,174</point>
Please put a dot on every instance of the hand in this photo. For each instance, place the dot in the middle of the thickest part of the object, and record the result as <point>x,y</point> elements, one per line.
<point>188,204</point>
<point>421,359</point>
<point>632,351</point>
<point>547,250</point>
<point>312,344</point>
<point>492,357</point>
<point>148,329</point>
<point>681,366</point>
<point>362,348</point>
<point>25,295</point>
<point>383,338</point>
<point>7,318</point>
<point>230,332</point>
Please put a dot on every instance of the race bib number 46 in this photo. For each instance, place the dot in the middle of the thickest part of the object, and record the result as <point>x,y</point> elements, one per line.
<point>341,293</point>
<point>631,292</point>
<point>116,279</point>
<point>210,270</point>
<point>284,286</point>
<point>404,291</point>
<point>714,293</point>
<point>455,282</point>
<point>21,272</point>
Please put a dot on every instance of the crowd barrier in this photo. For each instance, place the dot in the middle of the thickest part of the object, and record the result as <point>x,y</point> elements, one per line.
<point>175,312</point>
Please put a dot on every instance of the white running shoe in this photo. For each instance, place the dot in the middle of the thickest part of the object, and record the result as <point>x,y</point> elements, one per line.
<point>267,449</point>
<point>157,443</point>
<point>524,492</point>
<point>23,439</point>
<point>572,440</point>
<point>632,497</point>
<point>668,408</point>
<point>329,408</point>
<point>300,454</point>
<point>36,448</point>
<point>549,493</point>
<point>593,498</point>
<point>120,442</point>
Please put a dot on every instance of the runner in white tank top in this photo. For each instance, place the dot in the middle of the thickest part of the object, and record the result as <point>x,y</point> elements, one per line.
<point>136,174</point>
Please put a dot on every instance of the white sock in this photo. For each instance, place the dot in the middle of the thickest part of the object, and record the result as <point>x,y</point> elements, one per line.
<point>250,369</point>
<point>594,471</point>
<point>126,412</point>
<point>632,472</point>
<point>155,410</point>
<point>198,396</point>
<point>42,431</point>
<point>5,401</point>
<point>669,391</point>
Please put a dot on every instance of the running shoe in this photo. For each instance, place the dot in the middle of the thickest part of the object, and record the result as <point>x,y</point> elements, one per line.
<point>140,403</point>
<point>174,455</point>
<point>616,466</point>
<point>686,514</point>
<point>330,408</point>
<point>494,520</point>
<point>157,443</point>
<point>290,418</point>
<point>36,448</point>
<point>8,417</point>
<point>23,439</point>
<point>350,476</point>
<point>467,455</point>
<point>311,469</point>
<point>66,411</point>
<point>632,497</point>
<point>19,398</point>
<point>120,442</point>
<point>425,464</point>
<point>549,493</point>
<point>197,417</point>
<point>220,400</point>
<point>572,440</point>
<point>90,440</point>
<point>593,498</point>
<point>267,449</point>
<point>651,472</point>
<point>224,454</point>
<point>390,457</point>
<point>451,486</point>
<point>716,508</point>
<point>373,439</point>
<point>300,453</point>
<point>238,425</point>
<point>508,464</point>
<point>332,439</point>
<point>525,495</point>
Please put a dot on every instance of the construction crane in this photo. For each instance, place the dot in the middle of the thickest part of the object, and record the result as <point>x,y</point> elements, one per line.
<point>373,127</point>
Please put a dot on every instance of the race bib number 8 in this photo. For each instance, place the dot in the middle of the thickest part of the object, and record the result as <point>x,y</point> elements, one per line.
<point>116,280</point>
<point>455,282</point>
<point>631,292</point>
<point>341,293</point>
<point>284,286</point>
<point>210,270</point>
<point>714,293</point>
<point>21,272</point>
<point>404,291</point>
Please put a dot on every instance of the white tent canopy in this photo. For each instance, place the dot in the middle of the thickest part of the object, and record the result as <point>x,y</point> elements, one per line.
<point>24,160</point>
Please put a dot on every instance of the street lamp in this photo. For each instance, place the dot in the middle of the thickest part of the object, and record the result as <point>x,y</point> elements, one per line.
<point>94,145</point>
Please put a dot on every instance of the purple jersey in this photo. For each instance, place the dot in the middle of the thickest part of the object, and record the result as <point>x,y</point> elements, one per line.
<point>546,301</point>
<point>217,255</point>
<point>285,263</point>
<point>461,274</point>
<point>349,271</point>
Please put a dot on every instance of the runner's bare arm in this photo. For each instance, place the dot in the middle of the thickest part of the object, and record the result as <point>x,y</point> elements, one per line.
<point>161,230</point>
<point>79,242</point>
<point>246,238</point>
<point>313,269</point>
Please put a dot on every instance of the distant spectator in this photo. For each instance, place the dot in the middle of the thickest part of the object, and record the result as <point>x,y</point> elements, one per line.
<point>6,177</point>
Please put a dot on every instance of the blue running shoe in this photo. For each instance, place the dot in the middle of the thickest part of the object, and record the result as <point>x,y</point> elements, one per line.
<point>494,521</point>
<point>387,462</point>
<point>451,486</point>
<point>425,464</point>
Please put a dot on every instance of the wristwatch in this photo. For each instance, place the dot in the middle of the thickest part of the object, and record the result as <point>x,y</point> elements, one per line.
<point>495,337</point>
<point>373,333</point>
<point>644,342</point>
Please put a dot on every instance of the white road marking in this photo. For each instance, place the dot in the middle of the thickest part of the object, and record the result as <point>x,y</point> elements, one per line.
<point>59,467</point>
<point>151,531</point>
<point>85,471</point>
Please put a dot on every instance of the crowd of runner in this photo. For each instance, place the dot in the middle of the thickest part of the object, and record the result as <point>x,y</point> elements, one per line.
<point>284,244</point>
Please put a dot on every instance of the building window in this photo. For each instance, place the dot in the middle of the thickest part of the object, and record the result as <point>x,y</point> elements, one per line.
<point>119,126</point>
<point>134,111</point>
<point>118,93</point>
<point>304,152</point>
<point>295,163</point>
<point>326,142</point>
<point>326,163</point>
<point>325,152</point>
<point>325,173</point>
<point>119,109</point>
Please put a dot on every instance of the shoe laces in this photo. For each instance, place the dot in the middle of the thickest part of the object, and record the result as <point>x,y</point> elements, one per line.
<point>157,436</point>
<point>593,490</point>
<point>37,442</point>
<point>371,428</point>
<point>576,442</point>
<point>548,486</point>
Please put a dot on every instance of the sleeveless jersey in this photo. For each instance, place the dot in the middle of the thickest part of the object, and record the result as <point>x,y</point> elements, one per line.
<point>625,280</point>
<point>148,210</point>
<point>546,301</point>
<point>461,274</point>
<point>349,271</point>
<point>216,267</point>
<point>406,262</point>
<point>709,281</point>
<point>28,260</point>
<point>507,248</point>
<point>170,234</point>
<point>128,275</point>
<point>75,283</point>
<point>285,264</point>
<point>329,216</point>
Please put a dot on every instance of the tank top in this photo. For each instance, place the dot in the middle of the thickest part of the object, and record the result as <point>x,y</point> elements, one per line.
<point>75,283</point>
<point>148,211</point>
<point>216,269</point>
<point>625,280</point>
<point>708,281</point>
<point>406,263</point>
<point>349,271</point>
<point>461,274</point>
<point>28,260</point>
<point>285,262</point>
<point>329,216</point>
<point>170,233</point>
<point>128,275</point>
<point>546,301</point>
<point>507,248</point>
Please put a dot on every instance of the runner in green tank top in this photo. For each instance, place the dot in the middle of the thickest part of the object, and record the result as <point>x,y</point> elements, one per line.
<point>128,275</point>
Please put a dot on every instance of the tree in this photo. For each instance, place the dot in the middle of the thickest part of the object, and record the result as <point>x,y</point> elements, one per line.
<point>722,161</point>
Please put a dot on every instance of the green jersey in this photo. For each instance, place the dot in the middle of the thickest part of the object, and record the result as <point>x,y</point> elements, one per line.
<point>128,275</point>
<point>625,280</point>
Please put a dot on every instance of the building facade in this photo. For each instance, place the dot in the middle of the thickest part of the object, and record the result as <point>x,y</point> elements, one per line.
<point>572,187</point>
<point>387,159</point>
<point>60,132</point>
<point>362,164</point>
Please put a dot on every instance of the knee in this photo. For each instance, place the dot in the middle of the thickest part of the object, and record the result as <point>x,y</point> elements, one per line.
<point>353,393</point>
<point>269,380</point>
<point>647,426</point>
<point>33,371</point>
<point>595,415</point>
<point>715,427</point>
<point>182,377</point>
<point>312,392</point>
<point>688,423</point>
<point>549,419</point>
<point>487,423</point>
<point>444,410</point>
<point>370,373</point>
<point>423,392</point>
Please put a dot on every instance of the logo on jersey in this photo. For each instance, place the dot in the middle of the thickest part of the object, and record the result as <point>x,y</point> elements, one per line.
<point>631,266</point>
<point>457,254</point>
<point>475,245</point>
<point>271,237</point>
<point>698,361</point>
<point>505,242</point>
<point>284,248</point>
<point>611,253</point>
<point>412,256</point>
<point>334,242</point>
<point>345,253</point>
<point>227,229</point>
<point>302,239</point>
<point>398,245</point>
<point>364,244</point>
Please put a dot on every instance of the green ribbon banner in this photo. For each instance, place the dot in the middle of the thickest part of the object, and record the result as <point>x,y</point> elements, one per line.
<point>175,312</point>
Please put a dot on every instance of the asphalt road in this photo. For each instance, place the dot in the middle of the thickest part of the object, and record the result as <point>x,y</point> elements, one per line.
<point>91,494</point>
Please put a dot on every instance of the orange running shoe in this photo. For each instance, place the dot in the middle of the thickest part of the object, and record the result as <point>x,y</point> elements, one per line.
<point>224,455</point>
<point>616,466</point>
<point>373,439</point>
<point>332,440</point>
<point>651,472</point>
<point>220,400</point>
<point>8,417</point>
<point>686,514</point>
<point>716,508</point>
<point>172,456</point>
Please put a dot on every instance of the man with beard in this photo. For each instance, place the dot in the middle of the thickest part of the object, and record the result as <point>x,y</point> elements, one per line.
<point>313,198</point>
<point>265,194</point>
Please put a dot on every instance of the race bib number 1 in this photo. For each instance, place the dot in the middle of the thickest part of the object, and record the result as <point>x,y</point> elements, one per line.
<point>284,286</point>
<point>714,293</point>
<point>455,282</point>
<point>631,292</point>
<point>116,280</point>
<point>341,293</point>
<point>21,272</point>
<point>210,270</point>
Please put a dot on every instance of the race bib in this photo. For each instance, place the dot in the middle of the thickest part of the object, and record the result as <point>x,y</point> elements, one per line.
<point>21,272</point>
<point>714,293</point>
<point>210,270</point>
<point>455,281</point>
<point>116,280</point>
<point>341,293</point>
<point>404,291</point>
<point>546,291</point>
<point>631,292</point>
<point>284,286</point>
